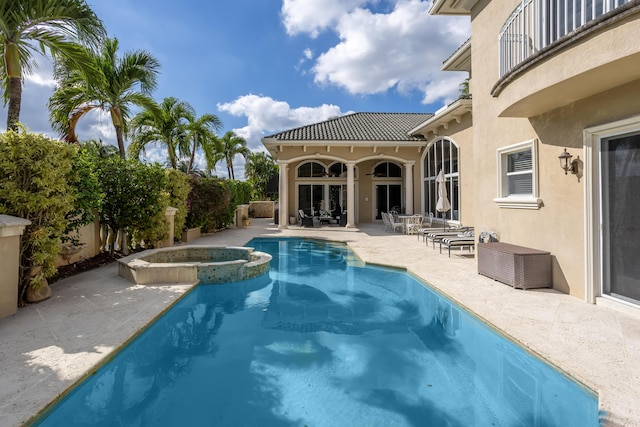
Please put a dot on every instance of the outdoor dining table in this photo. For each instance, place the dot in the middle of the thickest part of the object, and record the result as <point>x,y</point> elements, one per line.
<point>404,218</point>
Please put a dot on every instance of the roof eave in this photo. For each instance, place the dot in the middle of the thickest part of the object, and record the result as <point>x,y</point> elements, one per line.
<point>460,60</point>
<point>452,112</point>
<point>267,142</point>
<point>452,7</point>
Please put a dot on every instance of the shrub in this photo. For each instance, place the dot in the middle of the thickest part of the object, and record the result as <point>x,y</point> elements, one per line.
<point>208,202</point>
<point>178,191</point>
<point>132,198</point>
<point>154,229</point>
<point>84,180</point>
<point>34,184</point>
<point>240,193</point>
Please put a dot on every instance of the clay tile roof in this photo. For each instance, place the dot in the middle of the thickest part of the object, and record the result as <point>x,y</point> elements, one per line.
<point>359,127</point>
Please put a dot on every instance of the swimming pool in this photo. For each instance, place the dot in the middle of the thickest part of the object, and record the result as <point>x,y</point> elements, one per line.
<point>322,341</point>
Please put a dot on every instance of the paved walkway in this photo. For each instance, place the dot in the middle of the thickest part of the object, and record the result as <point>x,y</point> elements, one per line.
<point>47,347</point>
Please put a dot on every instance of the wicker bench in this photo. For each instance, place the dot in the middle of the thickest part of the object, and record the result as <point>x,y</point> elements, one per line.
<point>517,266</point>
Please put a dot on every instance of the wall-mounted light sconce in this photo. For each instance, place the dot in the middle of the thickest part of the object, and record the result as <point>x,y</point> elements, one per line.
<point>567,164</point>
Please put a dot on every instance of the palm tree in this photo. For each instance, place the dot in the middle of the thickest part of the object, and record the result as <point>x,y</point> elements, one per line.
<point>259,170</point>
<point>99,149</point>
<point>233,145</point>
<point>55,25</point>
<point>114,85</point>
<point>201,133</point>
<point>167,124</point>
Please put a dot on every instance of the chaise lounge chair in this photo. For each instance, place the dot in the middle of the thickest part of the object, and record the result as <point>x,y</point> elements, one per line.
<point>437,236</point>
<point>465,239</point>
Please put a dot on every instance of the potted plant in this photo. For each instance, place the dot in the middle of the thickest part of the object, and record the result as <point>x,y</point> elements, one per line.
<point>246,221</point>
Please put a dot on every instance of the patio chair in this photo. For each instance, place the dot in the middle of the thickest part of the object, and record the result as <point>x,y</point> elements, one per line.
<point>305,220</point>
<point>426,226</point>
<point>386,224</point>
<point>414,223</point>
<point>395,224</point>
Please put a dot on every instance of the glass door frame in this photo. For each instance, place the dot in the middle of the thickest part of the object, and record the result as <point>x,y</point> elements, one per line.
<point>609,238</point>
<point>593,242</point>
<point>326,184</point>
<point>387,183</point>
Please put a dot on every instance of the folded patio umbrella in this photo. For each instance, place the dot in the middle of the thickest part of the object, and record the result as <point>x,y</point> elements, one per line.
<point>443,204</point>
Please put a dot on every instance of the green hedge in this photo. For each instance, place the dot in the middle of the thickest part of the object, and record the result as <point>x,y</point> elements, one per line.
<point>209,201</point>
<point>178,189</point>
<point>35,172</point>
<point>134,199</point>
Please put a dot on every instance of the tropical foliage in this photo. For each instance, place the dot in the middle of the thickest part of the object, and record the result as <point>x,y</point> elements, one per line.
<point>53,25</point>
<point>259,170</point>
<point>166,124</point>
<point>209,204</point>
<point>201,134</point>
<point>62,187</point>
<point>133,196</point>
<point>177,190</point>
<point>233,145</point>
<point>113,85</point>
<point>88,191</point>
<point>34,184</point>
<point>464,89</point>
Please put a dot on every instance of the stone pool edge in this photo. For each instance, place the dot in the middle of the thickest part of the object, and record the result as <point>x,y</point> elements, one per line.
<point>174,265</point>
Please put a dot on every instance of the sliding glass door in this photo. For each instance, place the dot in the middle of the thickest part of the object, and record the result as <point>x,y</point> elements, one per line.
<point>620,198</point>
<point>388,197</point>
<point>311,198</point>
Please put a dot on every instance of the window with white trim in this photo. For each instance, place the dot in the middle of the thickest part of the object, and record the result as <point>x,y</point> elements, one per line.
<point>518,176</point>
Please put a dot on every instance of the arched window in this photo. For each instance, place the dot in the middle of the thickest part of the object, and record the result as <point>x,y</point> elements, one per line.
<point>311,170</point>
<point>337,170</point>
<point>442,155</point>
<point>387,170</point>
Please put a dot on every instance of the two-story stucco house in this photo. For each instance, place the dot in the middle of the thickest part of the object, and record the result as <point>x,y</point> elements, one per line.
<point>550,75</point>
<point>550,79</point>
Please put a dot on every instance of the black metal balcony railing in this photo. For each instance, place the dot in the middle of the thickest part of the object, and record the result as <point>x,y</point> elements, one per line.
<point>535,24</point>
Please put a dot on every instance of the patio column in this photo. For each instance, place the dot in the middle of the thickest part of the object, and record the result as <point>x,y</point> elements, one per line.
<point>408,187</point>
<point>351,193</point>
<point>283,195</point>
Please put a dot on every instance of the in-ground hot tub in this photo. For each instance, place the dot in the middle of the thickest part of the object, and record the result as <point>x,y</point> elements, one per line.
<point>206,264</point>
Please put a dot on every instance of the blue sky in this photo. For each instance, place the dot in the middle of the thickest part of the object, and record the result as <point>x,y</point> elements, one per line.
<point>264,66</point>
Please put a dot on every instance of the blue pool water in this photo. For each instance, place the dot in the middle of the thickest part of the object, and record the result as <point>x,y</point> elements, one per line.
<point>322,341</point>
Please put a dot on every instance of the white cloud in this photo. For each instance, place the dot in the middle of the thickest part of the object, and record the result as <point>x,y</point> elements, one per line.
<point>42,73</point>
<point>314,16</point>
<point>265,114</point>
<point>308,53</point>
<point>401,50</point>
<point>34,113</point>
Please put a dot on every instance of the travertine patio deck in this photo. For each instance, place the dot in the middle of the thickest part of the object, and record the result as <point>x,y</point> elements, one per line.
<point>47,347</point>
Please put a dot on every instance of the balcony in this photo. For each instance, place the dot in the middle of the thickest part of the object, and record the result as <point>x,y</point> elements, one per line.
<point>556,52</point>
<point>537,24</point>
